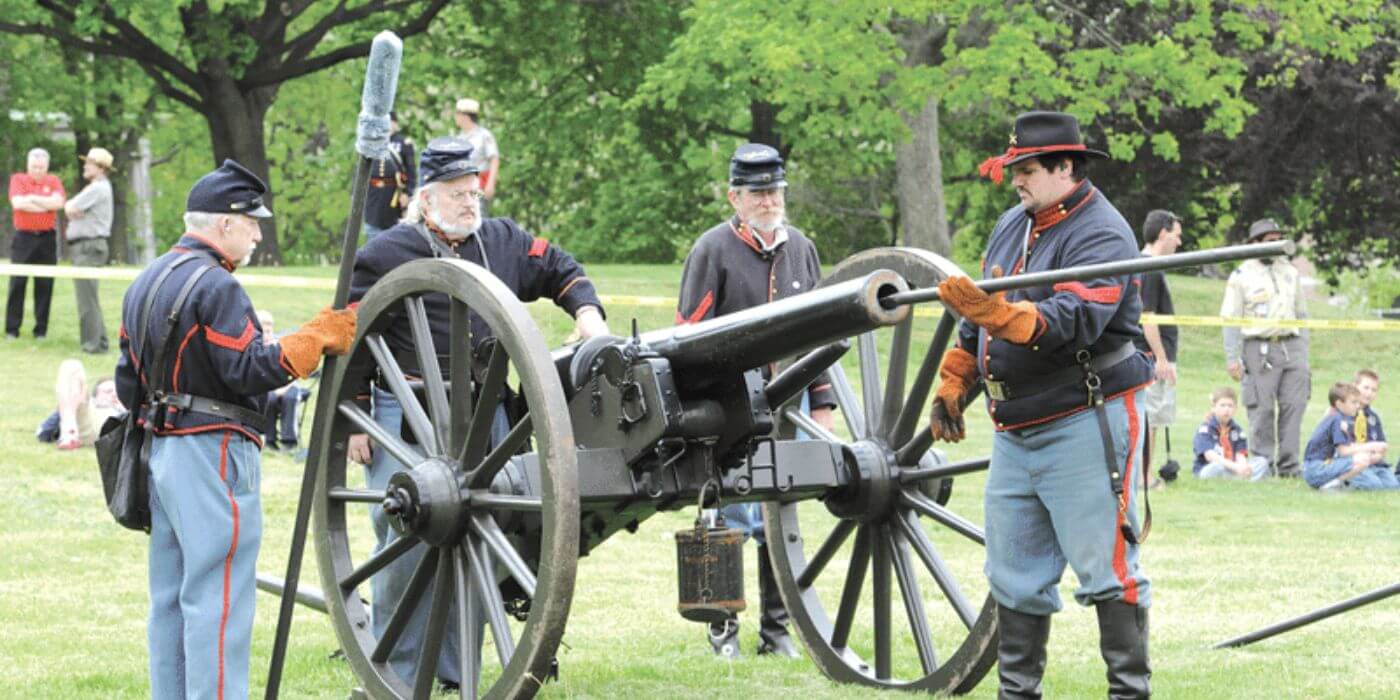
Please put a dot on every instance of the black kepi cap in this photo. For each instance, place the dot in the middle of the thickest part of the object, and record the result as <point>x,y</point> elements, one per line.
<point>1037,134</point>
<point>757,167</point>
<point>230,189</point>
<point>446,158</point>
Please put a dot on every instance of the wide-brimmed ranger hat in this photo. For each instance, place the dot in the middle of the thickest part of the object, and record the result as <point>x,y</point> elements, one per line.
<point>1037,134</point>
<point>1262,228</point>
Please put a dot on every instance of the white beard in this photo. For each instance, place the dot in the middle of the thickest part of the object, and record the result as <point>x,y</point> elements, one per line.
<point>766,225</point>
<point>454,231</point>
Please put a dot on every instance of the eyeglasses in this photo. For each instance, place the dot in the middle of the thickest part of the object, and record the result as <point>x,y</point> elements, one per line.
<point>464,195</point>
<point>759,195</point>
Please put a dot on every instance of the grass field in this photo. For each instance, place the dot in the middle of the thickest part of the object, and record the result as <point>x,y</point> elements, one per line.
<point>1225,558</point>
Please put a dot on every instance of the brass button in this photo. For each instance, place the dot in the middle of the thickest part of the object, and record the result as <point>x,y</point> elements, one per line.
<point>1035,347</point>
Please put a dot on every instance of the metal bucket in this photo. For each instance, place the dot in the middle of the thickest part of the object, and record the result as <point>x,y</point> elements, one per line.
<point>710,573</point>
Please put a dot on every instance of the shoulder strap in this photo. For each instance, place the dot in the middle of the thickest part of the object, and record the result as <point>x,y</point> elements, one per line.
<point>143,325</point>
<point>172,320</point>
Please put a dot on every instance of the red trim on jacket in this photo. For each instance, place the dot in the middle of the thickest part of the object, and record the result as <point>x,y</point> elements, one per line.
<point>238,344</point>
<point>1098,295</point>
<point>196,429</point>
<point>227,262</point>
<point>1120,545</point>
<point>705,303</point>
<point>1062,414</point>
<point>179,355</point>
<point>538,248</point>
<point>228,558</point>
<point>742,231</point>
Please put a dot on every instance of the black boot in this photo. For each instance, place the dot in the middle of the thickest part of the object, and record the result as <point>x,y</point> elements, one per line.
<point>1020,652</point>
<point>724,638</point>
<point>1123,643</point>
<point>773,637</point>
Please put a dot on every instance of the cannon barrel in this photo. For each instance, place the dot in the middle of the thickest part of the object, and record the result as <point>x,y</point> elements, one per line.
<point>762,334</point>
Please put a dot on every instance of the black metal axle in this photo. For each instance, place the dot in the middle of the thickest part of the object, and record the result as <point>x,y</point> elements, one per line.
<point>1314,616</point>
<point>1155,263</point>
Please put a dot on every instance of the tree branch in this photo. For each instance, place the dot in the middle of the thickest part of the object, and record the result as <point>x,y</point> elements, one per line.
<point>1092,26</point>
<point>132,43</point>
<point>295,69</point>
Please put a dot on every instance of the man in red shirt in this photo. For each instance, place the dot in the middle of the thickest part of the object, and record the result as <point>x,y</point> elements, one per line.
<point>35,196</point>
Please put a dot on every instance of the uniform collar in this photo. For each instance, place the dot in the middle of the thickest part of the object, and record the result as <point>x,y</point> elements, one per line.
<point>755,241</point>
<point>198,242</point>
<point>1063,209</point>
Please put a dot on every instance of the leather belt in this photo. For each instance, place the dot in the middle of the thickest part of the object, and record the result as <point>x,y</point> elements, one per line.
<point>383,182</point>
<point>1272,338</point>
<point>1069,376</point>
<point>207,406</point>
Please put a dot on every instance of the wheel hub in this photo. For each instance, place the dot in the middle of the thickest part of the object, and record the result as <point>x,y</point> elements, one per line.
<point>873,491</point>
<point>427,502</point>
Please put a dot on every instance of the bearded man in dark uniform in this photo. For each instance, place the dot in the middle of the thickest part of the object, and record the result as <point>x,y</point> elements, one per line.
<point>753,258</point>
<point>1064,386</point>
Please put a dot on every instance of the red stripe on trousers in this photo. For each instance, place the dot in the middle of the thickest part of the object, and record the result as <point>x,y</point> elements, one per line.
<point>1120,546</point>
<point>228,560</point>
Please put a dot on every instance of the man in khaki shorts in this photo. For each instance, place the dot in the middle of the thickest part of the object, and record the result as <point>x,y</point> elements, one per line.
<point>1161,234</point>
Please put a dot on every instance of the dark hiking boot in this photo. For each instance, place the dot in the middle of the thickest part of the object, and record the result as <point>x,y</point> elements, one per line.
<point>1020,653</point>
<point>1123,644</point>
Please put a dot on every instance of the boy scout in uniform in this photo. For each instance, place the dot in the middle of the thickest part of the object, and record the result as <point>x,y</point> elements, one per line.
<point>1271,360</point>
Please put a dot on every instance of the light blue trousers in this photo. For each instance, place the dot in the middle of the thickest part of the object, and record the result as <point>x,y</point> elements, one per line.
<point>206,526</point>
<point>1049,502</point>
<point>388,586</point>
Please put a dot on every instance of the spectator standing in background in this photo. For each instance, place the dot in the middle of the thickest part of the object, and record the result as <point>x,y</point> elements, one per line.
<point>35,195</point>
<point>89,227</point>
<point>1272,361</point>
<point>485,155</point>
<point>1161,231</point>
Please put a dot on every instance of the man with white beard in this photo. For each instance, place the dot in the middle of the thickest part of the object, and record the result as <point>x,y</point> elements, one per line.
<point>444,221</point>
<point>753,258</point>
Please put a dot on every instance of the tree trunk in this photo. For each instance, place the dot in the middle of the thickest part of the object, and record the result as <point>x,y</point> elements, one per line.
<point>235,122</point>
<point>923,211</point>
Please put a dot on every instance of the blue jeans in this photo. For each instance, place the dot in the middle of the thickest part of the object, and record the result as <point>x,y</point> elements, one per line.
<point>1048,503</point>
<point>1258,469</point>
<point>1318,472</point>
<point>206,527</point>
<point>389,584</point>
<point>1376,477</point>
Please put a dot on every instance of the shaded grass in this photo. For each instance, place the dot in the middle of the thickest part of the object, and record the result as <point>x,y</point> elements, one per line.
<point>1225,558</point>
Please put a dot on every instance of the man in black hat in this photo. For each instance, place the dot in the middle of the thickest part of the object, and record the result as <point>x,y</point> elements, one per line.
<point>1271,360</point>
<point>1064,384</point>
<point>753,258</point>
<point>391,182</point>
<point>444,221</point>
<point>206,513</point>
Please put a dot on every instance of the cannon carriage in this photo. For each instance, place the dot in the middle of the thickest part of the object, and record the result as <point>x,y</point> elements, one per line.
<point>618,429</point>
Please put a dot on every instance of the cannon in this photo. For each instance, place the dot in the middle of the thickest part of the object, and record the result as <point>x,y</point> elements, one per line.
<point>615,430</point>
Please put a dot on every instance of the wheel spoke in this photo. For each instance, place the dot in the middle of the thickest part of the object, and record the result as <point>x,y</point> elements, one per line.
<point>838,537</point>
<point>483,474</point>
<point>894,377</point>
<point>340,493</point>
<point>497,501</point>
<point>413,413</point>
<point>489,595</point>
<point>913,602</point>
<point>381,559</point>
<point>492,386</point>
<point>490,533</point>
<point>469,649</point>
<point>436,627</point>
<point>923,381</point>
<point>426,350</point>
<point>461,376</point>
<point>813,428</point>
<point>408,602</point>
<point>850,592</point>
<point>846,400</point>
<point>909,524</point>
<point>407,456</point>
<point>869,381</point>
<point>880,583</point>
<point>928,508</point>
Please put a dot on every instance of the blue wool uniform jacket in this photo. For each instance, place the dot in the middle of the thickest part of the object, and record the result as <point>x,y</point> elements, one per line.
<point>530,267</point>
<point>727,270</point>
<point>1098,314</point>
<point>220,353</point>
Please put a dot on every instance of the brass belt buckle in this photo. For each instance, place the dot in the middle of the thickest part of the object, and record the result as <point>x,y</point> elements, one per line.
<point>996,390</point>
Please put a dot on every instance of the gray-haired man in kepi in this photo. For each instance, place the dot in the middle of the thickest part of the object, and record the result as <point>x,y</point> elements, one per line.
<point>1271,360</point>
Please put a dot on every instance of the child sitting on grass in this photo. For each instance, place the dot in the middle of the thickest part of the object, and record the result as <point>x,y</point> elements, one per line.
<point>1333,459</point>
<point>1221,451</point>
<point>1367,427</point>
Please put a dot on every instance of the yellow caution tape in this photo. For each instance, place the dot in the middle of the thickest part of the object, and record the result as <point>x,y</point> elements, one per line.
<point>251,279</point>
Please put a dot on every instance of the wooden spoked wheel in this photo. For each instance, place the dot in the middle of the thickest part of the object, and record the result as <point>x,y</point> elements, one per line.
<point>494,565</point>
<point>843,562</point>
